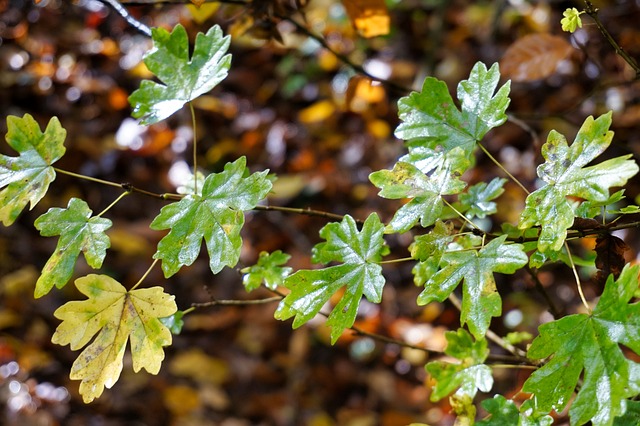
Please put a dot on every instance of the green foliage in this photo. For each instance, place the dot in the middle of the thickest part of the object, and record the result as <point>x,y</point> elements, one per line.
<point>478,200</point>
<point>425,190</point>
<point>505,412</point>
<point>118,316</point>
<point>360,252</point>
<point>466,377</point>
<point>217,216</point>
<point>480,300</point>
<point>571,21</point>
<point>184,79</point>
<point>588,344</point>
<point>268,270</point>
<point>565,175</point>
<point>28,176</point>
<point>79,232</point>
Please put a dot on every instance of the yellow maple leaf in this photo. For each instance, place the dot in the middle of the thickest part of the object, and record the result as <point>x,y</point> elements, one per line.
<point>369,17</point>
<point>117,315</point>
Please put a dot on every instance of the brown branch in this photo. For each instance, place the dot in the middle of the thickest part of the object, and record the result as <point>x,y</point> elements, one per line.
<point>237,302</point>
<point>306,212</point>
<point>593,13</point>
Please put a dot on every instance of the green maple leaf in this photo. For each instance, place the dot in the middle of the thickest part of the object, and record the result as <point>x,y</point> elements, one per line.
<point>428,249</point>
<point>466,377</point>
<point>360,273</point>
<point>430,117</point>
<point>590,345</point>
<point>505,412</point>
<point>565,175</point>
<point>117,316</point>
<point>480,300</point>
<point>571,21</point>
<point>79,232</point>
<point>478,200</point>
<point>267,270</point>
<point>184,79</point>
<point>217,215</point>
<point>424,187</point>
<point>28,176</point>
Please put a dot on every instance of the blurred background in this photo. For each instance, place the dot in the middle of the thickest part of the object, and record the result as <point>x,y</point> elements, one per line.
<point>311,96</point>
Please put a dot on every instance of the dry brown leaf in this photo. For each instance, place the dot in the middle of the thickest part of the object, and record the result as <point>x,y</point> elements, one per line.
<point>534,57</point>
<point>369,17</point>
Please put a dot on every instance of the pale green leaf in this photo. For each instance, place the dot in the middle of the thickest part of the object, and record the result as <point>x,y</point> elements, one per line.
<point>359,273</point>
<point>480,300</point>
<point>466,377</point>
<point>565,175</point>
<point>217,216</point>
<point>267,270</point>
<point>184,78</point>
<point>478,200</point>
<point>79,232</point>
<point>27,177</point>
<point>589,346</point>
<point>571,21</point>
<point>116,316</point>
<point>425,190</point>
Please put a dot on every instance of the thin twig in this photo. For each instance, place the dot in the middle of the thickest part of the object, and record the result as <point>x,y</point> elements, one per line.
<point>536,280</point>
<point>593,13</point>
<point>306,212</point>
<point>577,277</point>
<point>115,5</point>
<point>237,302</point>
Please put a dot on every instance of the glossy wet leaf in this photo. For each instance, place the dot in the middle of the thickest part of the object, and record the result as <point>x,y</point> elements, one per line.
<point>480,300</point>
<point>466,377</point>
<point>428,249</point>
<point>478,200</point>
<point>565,175</point>
<point>431,119</point>
<point>267,270</point>
<point>79,233</point>
<point>26,178</point>
<point>116,316</point>
<point>425,188</point>
<point>505,412</point>
<point>183,78</point>
<point>217,216</point>
<point>359,274</point>
<point>588,347</point>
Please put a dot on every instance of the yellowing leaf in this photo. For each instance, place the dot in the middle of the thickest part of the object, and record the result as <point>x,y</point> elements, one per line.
<point>317,112</point>
<point>534,57</point>
<point>117,315</point>
<point>201,11</point>
<point>369,17</point>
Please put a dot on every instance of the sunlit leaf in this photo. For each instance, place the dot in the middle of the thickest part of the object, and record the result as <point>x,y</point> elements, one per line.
<point>431,119</point>
<point>27,177</point>
<point>425,190</point>
<point>588,347</point>
<point>184,78</point>
<point>217,216</point>
<point>571,21</point>
<point>369,17</point>
<point>480,300</point>
<point>565,175</point>
<point>79,232</point>
<point>267,270</point>
<point>466,377</point>
<point>359,273</point>
<point>116,316</point>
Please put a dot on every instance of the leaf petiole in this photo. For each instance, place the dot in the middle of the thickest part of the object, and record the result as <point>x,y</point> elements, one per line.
<point>85,177</point>
<point>145,275</point>
<point>195,146</point>
<point>501,167</point>
<point>575,274</point>
<point>120,197</point>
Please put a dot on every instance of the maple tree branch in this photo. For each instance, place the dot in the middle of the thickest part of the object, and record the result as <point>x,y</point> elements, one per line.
<point>593,14</point>
<point>306,212</point>
<point>237,302</point>
<point>536,280</point>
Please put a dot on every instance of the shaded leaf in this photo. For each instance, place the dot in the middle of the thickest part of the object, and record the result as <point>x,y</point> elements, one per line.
<point>184,78</point>
<point>117,316</point>
<point>565,175</point>
<point>27,177</point>
<point>466,377</point>
<point>480,300</point>
<point>609,256</point>
<point>79,232</point>
<point>217,216</point>
<point>267,270</point>
<point>360,274</point>
<point>505,412</point>
<point>534,57</point>
<point>478,200</point>
<point>589,345</point>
